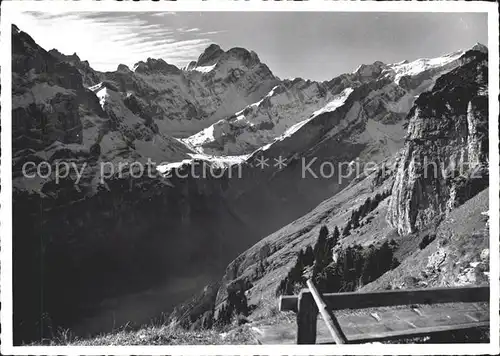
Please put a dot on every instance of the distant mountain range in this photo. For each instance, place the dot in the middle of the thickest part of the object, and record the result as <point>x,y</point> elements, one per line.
<point>100,243</point>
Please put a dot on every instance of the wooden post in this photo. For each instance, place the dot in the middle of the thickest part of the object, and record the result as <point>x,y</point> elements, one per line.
<point>330,319</point>
<point>307,317</point>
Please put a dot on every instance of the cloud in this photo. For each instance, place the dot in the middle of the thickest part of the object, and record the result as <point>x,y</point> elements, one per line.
<point>108,39</point>
<point>187,30</point>
<point>211,33</point>
<point>163,14</point>
<point>192,30</point>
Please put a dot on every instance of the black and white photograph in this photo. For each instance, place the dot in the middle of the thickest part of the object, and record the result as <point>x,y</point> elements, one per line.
<point>267,178</point>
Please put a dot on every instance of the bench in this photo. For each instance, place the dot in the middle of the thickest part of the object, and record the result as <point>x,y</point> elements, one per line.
<point>427,311</point>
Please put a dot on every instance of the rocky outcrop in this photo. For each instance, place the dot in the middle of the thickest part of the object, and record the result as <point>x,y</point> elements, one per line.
<point>49,104</point>
<point>89,76</point>
<point>445,158</point>
<point>210,56</point>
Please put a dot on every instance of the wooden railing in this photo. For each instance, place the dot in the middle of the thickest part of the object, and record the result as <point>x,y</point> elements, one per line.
<point>310,302</point>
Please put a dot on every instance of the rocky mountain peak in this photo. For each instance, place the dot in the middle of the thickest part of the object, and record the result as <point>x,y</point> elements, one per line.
<point>480,47</point>
<point>123,68</point>
<point>62,57</point>
<point>191,65</point>
<point>213,55</point>
<point>370,71</point>
<point>210,55</point>
<point>248,58</point>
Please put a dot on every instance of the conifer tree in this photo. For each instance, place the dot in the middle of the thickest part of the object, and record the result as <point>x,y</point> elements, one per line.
<point>308,256</point>
<point>355,222</point>
<point>320,246</point>
<point>376,201</point>
<point>335,236</point>
<point>347,229</point>
<point>367,207</point>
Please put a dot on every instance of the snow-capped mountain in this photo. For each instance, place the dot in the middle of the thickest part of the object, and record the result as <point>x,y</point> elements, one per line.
<point>294,102</point>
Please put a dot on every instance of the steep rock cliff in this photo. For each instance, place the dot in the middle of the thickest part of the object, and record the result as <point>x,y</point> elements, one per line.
<point>445,158</point>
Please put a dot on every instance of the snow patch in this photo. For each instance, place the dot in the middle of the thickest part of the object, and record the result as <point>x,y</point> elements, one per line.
<point>95,87</point>
<point>165,168</point>
<point>204,69</point>
<point>196,140</point>
<point>214,161</point>
<point>256,104</point>
<point>103,95</point>
<point>335,103</point>
<point>403,68</point>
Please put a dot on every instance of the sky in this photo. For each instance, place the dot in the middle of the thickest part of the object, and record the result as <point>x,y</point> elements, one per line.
<point>311,45</point>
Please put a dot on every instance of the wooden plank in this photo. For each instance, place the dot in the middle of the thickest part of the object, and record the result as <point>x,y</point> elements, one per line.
<point>356,300</point>
<point>330,319</point>
<point>404,322</point>
<point>442,314</point>
<point>307,317</point>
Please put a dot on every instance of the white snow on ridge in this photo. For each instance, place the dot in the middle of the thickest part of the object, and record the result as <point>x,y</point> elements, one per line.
<point>213,161</point>
<point>331,106</point>
<point>198,139</point>
<point>357,68</point>
<point>165,168</point>
<point>101,92</point>
<point>335,103</point>
<point>103,95</point>
<point>95,87</point>
<point>271,93</point>
<point>220,160</point>
<point>205,69</point>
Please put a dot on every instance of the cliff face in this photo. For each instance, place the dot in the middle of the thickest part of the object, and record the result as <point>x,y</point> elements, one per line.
<point>48,97</point>
<point>445,158</point>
